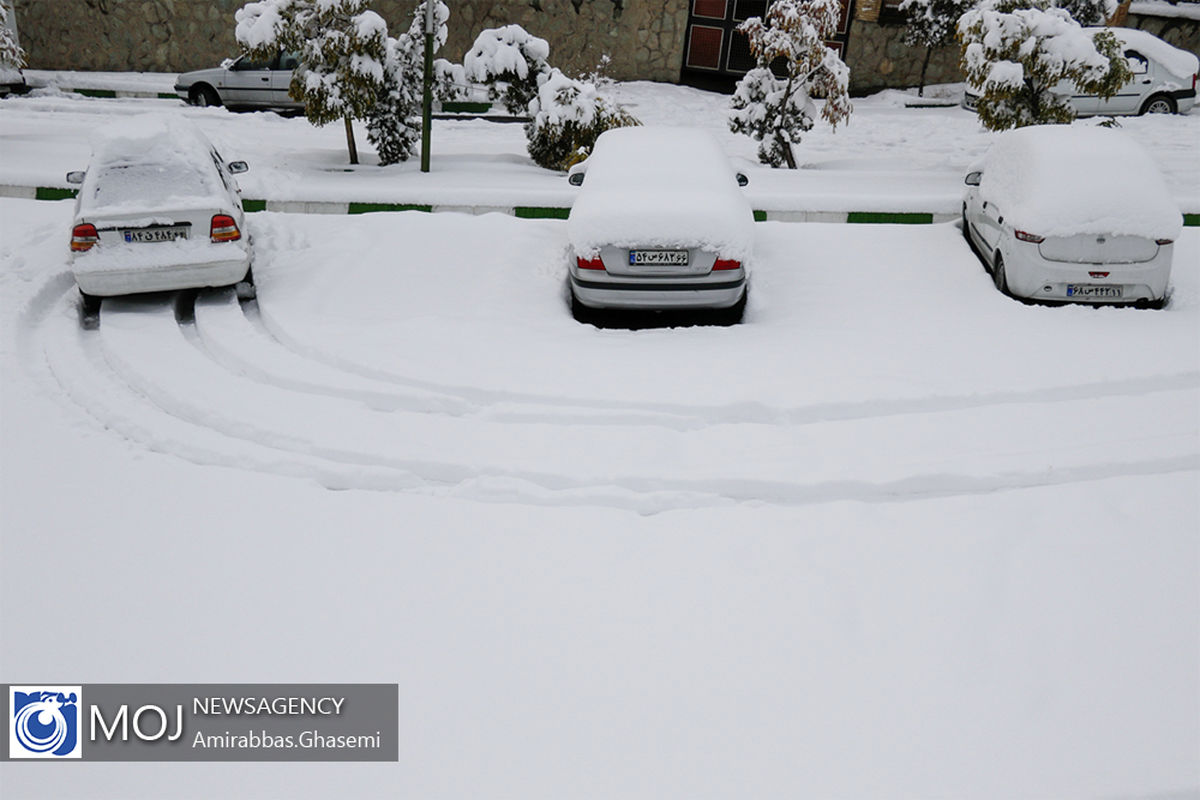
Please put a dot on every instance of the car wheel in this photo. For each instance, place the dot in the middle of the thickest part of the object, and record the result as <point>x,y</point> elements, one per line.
<point>245,288</point>
<point>1158,104</point>
<point>89,309</point>
<point>733,315</point>
<point>580,312</point>
<point>204,96</point>
<point>998,276</point>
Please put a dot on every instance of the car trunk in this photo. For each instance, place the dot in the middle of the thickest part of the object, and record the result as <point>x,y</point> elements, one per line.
<point>1090,248</point>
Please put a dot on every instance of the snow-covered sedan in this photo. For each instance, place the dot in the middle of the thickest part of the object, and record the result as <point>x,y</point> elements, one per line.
<point>660,223</point>
<point>158,209</point>
<point>1072,214</point>
<point>1164,80</point>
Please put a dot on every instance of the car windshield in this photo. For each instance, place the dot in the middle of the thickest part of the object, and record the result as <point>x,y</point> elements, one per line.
<point>123,183</point>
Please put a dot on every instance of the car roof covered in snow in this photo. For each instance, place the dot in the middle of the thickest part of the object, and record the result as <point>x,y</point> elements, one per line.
<point>1061,180</point>
<point>150,162</point>
<point>1179,63</point>
<point>661,186</point>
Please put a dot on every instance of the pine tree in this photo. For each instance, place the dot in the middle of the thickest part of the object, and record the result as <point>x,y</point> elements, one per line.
<point>1015,51</point>
<point>776,110</point>
<point>511,62</point>
<point>11,54</point>
<point>932,24</point>
<point>1089,12</point>
<point>568,116</point>
<point>341,47</point>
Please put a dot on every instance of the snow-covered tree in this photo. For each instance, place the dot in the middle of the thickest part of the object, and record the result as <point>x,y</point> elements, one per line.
<point>932,24</point>
<point>11,54</point>
<point>568,116</point>
<point>394,122</point>
<point>775,110</point>
<point>1089,12</point>
<point>340,44</point>
<point>511,62</point>
<point>1014,52</point>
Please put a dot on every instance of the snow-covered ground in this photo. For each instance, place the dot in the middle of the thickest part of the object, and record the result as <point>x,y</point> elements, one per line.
<point>894,536</point>
<point>889,157</point>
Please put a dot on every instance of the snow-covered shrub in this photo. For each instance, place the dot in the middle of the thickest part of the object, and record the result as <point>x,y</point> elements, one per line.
<point>932,24</point>
<point>1015,51</point>
<point>341,47</point>
<point>775,110</point>
<point>511,62</point>
<point>568,116</point>
<point>1089,12</point>
<point>394,122</point>
<point>11,54</point>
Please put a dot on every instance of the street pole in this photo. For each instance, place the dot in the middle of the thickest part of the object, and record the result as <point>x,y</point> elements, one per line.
<point>427,98</point>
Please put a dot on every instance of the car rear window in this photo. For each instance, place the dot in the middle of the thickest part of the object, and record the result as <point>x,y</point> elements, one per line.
<point>123,183</point>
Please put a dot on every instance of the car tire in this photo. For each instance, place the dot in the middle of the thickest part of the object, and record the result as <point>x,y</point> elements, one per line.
<point>89,309</point>
<point>580,312</point>
<point>245,288</point>
<point>204,96</point>
<point>734,314</point>
<point>1158,104</point>
<point>998,276</point>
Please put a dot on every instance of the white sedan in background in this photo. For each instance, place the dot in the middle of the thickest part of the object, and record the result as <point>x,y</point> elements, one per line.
<point>158,209</point>
<point>659,224</point>
<point>1072,214</point>
<point>242,83</point>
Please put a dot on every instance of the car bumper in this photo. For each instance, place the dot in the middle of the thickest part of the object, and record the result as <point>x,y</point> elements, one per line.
<point>110,283</point>
<point>658,294</point>
<point>1036,278</point>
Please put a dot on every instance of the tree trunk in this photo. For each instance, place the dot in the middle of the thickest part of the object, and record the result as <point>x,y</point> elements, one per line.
<point>924,66</point>
<point>350,141</point>
<point>788,155</point>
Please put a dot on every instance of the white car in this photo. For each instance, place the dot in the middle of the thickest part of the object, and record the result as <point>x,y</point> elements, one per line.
<point>1164,80</point>
<point>660,223</point>
<point>1072,214</point>
<point>158,209</point>
<point>241,83</point>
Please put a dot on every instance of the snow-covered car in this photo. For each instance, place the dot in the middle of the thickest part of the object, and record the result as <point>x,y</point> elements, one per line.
<point>242,83</point>
<point>1164,80</point>
<point>1072,214</point>
<point>660,223</point>
<point>158,209</point>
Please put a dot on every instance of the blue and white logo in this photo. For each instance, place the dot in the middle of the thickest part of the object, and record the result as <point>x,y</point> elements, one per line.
<point>44,722</point>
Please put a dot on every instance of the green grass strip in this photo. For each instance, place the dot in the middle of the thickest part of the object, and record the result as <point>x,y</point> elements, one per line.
<point>1191,220</point>
<point>760,216</point>
<point>167,96</point>
<point>254,205</point>
<point>888,218</point>
<point>466,108</point>
<point>51,193</point>
<point>96,92</point>
<point>366,208</point>
<point>541,212</point>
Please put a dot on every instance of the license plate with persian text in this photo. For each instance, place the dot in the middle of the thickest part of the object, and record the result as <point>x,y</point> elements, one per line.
<point>1094,291</point>
<point>658,258</point>
<point>158,234</point>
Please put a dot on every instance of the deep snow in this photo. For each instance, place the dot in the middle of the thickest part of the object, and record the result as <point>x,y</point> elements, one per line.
<point>895,535</point>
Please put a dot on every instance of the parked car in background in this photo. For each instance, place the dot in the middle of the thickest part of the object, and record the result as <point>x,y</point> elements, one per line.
<point>660,223</point>
<point>1072,214</point>
<point>157,209</point>
<point>1164,80</point>
<point>241,83</point>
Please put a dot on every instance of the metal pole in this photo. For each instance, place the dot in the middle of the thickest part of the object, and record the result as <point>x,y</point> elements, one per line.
<point>427,98</point>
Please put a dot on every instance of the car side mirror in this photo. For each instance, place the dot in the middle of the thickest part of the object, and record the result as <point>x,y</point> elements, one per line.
<point>575,179</point>
<point>75,177</point>
<point>238,167</point>
<point>742,179</point>
<point>972,178</point>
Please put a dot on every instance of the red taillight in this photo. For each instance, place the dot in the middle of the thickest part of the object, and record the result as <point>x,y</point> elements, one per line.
<point>589,263</point>
<point>1029,237</point>
<point>1164,241</point>
<point>83,237</point>
<point>224,229</point>
<point>726,263</point>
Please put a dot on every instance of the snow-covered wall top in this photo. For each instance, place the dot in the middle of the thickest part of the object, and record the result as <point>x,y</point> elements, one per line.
<point>1061,180</point>
<point>661,186</point>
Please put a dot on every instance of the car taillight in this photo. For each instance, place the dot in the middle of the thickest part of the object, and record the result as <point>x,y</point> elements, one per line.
<point>726,263</point>
<point>224,229</point>
<point>1164,241</point>
<point>83,237</point>
<point>589,263</point>
<point>1025,236</point>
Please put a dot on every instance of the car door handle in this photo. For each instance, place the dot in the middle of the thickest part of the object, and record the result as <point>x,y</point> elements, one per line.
<point>985,203</point>
<point>1000,221</point>
<point>1146,81</point>
<point>265,79</point>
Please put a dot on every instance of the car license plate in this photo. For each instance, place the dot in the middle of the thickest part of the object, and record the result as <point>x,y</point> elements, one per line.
<point>163,234</point>
<point>658,258</point>
<point>1091,290</point>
